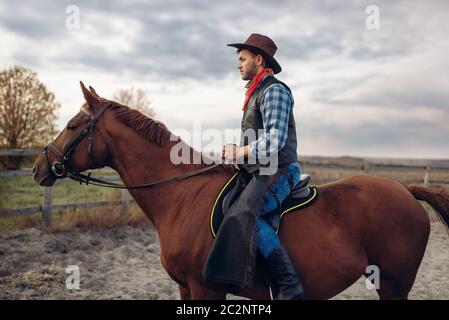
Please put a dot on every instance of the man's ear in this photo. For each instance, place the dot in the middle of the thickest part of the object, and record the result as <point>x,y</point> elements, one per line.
<point>260,60</point>
<point>91,99</point>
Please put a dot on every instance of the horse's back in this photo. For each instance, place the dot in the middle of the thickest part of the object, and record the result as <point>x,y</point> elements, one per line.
<point>355,222</point>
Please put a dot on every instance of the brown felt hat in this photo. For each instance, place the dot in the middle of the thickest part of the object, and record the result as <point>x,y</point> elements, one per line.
<point>258,43</point>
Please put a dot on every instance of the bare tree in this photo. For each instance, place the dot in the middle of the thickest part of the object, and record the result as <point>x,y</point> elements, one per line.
<point>27,111</point>
<point>135,99</point>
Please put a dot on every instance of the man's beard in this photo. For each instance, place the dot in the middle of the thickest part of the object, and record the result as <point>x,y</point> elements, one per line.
<point>249,75</point>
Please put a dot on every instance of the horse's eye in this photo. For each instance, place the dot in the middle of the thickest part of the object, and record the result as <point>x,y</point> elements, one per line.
<point>71,126</point>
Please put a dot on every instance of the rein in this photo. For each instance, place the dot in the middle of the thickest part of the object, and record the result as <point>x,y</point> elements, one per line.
<point>61,169</point>
<point>82,178</point>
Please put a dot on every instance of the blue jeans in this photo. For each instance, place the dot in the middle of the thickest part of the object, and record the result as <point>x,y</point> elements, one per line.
<point>268,239</point>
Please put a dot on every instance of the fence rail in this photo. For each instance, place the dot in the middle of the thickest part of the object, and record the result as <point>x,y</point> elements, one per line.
<point>19,152</point>
<point>47,207</point>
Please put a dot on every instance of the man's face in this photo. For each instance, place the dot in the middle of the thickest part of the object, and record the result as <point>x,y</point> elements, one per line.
<point>247,64</point>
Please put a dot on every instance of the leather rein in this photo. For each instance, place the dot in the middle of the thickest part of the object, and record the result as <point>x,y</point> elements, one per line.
<point>62,169</point>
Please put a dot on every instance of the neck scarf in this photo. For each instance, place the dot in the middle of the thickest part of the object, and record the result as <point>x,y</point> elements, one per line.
<point>252,85</point>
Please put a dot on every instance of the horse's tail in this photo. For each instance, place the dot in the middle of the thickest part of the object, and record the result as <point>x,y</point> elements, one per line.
<point>438,199</point>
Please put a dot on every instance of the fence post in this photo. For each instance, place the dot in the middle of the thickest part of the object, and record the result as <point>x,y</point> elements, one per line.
<point>46,205</point>
<point>366,167</point>
<point>427,176</point>
<point>125,200</point>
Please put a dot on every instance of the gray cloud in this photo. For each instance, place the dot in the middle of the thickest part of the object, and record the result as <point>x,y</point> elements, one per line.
<point>33,19</point>
<point>176,40</point>
<point>196,32</point>
<point>416,137</point>
<point>423,83</point>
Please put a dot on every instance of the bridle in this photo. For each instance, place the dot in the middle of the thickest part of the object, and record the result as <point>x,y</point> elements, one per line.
<point>62,169</point>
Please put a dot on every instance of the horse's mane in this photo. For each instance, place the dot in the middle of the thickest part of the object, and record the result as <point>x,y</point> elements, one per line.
<point>150,129</point>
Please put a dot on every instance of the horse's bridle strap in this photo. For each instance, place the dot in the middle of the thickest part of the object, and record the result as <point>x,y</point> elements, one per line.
<point>52,147</point>
<point>81,178</point>
<point>64,157</point>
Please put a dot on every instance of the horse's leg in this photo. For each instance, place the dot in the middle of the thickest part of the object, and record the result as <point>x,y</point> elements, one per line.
<point>199,292</point>
<point>184,293</point>
<point>403,249</point>
<point>390,289</point>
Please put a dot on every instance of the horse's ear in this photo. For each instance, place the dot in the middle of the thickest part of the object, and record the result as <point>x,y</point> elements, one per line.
<point>91,99</point>
<point>94,92</point>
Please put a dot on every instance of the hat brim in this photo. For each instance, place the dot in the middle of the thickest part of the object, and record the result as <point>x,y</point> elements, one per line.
<point>272,63</point>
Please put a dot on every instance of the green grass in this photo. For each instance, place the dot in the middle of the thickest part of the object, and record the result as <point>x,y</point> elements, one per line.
<point>92,218</point>
<point>23,192</point>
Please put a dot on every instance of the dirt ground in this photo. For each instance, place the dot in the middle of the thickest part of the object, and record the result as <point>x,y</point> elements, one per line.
<point>123,263</point>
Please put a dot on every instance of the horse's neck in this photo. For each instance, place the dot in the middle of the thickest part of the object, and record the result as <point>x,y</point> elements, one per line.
<point>138,161</point>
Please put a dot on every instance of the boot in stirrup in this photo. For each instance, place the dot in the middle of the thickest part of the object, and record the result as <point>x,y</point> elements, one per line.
<point>283,273</point>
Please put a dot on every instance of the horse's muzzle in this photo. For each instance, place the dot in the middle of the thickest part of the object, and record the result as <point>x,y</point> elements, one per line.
<point>42,176</point>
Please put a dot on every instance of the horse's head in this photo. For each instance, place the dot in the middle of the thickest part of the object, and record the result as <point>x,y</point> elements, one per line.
<point>81,145</point>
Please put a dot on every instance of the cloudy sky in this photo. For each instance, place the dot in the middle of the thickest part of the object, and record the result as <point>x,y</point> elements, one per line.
<point>359,90</point>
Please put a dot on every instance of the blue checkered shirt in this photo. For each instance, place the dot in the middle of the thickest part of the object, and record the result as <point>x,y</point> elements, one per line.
<point>275,106</point>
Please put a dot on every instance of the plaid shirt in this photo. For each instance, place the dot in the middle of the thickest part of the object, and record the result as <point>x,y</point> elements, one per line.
<point>275,106</point>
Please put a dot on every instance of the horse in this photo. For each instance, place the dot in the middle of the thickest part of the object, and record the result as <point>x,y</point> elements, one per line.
<point>356,222</point>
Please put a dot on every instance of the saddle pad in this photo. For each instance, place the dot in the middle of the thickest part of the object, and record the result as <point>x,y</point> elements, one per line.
<point>288,205</point>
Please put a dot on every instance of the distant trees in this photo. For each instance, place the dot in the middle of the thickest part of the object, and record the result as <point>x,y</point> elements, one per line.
<point>136,99</point>
<point>28,111</point>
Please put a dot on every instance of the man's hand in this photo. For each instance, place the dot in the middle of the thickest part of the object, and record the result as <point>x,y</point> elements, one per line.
<point>232,152</point>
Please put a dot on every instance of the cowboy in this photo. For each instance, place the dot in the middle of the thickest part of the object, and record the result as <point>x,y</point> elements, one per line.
<point>268,132</point>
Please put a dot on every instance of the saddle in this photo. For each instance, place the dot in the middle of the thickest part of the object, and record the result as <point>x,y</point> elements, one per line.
<point>301,196</point>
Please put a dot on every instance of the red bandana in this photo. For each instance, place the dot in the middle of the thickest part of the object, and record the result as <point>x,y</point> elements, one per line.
<point>252,85</point>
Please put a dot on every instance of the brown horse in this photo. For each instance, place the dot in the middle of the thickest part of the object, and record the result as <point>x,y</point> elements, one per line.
<point>356,221</point>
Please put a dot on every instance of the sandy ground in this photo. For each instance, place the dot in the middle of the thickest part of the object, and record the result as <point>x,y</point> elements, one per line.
<point>123,263</point>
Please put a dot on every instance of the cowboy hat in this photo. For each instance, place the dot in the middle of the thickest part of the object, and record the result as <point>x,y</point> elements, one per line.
<point>260,44</point>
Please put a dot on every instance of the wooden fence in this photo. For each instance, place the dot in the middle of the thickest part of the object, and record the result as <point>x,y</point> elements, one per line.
<point>19,152</point>
<point>366,168</point>
<point>47,207</point>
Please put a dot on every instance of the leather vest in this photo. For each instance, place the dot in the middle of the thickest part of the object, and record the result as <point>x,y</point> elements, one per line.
<point>252,119</point>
